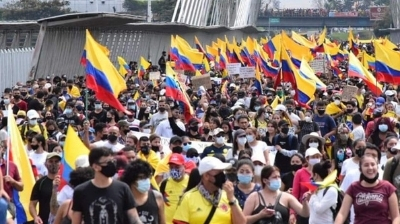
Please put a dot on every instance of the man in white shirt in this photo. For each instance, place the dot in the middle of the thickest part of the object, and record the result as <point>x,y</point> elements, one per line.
<point>111,142</point>
<point>164,128</point>
<point>358,130</point>
<point>161,115</point>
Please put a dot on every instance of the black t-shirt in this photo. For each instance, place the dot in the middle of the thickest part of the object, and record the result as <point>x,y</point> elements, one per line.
<point>103,205</point>
<point>41,192</point>
<point>73,120</point>
<point>99,117</point>
<point>287,179</point>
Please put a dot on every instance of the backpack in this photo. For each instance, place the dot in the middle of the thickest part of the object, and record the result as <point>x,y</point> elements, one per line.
<point>290,140</point>
<point>338,205</point>
<point>24,126</point>
<point>395,163</point>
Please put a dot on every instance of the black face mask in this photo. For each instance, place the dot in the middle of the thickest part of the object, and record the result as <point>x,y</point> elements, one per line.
<point>130,116</point>
<point>214,114</point>
<point>220,179</point>
<point>285,130</point>
<point>112,138</point>
<point>369,180</point>
<point>295,167</point>
<point>392,151</point>
<point>109,170</point>
<point>177,149</point>
<point>104,137</point>
<point>49,118</point>
<point>145,150</point>
<point>161,109</point>
<point>232,177</point>
<point>108,119</point>
<point>17,97</point>
<point>24,93</point>
<point>321,112</point>
<point>126,131</point>
<point>50,132</point>
<point>194,128</point>
<point>349,111</point>
<point>155,148</point>
<point>34,147</point>
<point>360,152</point>
<point>206,131</point>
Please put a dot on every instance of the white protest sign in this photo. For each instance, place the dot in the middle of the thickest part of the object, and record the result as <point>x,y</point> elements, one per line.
<point>154,75</point>
<point>198,145</point>
<point>202,80</point>
<point>318,64</point>
<point>247,72</point>
<point>233,68</point>
<point>348,93</point>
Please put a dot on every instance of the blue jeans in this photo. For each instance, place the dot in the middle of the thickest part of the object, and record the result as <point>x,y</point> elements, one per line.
<point>3,211</point>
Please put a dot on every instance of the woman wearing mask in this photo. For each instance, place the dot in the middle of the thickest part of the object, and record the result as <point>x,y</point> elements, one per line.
<point>383,127</point>
<point>259,163</point>
<point>207,137</point>
<point>155,144</point>
<point>313,140</point>
<point>342,148</point>
<point>112,118</point>
<point>245,186</point>
<point>228,131</point>
<point>239,144</point>
<point>296,162</point>
<point>313,156</point>
<point>323,201</point>
<point>214,124</point>
<point>258,147</point>
<point>353,162</point>
<point>260,122</point>
<point>387,151</point>
<point>38,154</point>
<point>307,126</point>
<point>270,205</point>
<point>374,200</point>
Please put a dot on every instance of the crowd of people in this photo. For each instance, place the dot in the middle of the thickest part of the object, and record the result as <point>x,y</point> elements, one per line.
<point>313,13</point>
<point>263,163</point>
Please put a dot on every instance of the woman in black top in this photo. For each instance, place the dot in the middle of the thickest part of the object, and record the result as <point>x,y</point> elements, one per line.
<point>297,161</point>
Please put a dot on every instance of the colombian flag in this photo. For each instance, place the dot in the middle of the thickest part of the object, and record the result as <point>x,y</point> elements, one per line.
<point>308,73</point>
<point>17,154</point>
<point>123,66</point>
<point>101,75</point>
<point>144,65</point>
<point>104,49</point>
<point>387,64</point>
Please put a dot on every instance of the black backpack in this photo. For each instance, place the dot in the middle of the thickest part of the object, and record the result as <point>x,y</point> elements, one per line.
<point>338,205</point>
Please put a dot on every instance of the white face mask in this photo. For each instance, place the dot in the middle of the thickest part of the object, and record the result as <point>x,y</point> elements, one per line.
<point>337,102</point>
<point>6,101</point>
<point>219,140</point>
<point>292,92</point>
<point>257,170</point>
<point>250,138</point>
<point>363,91</point>
<point>312,162</point>
<point>242,141</point>
<point>313,145</point>
<point>147,131</point>
<point>308,119</point>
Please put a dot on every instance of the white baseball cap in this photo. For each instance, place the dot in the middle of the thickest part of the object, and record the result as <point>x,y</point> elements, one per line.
<point>312,151</point>
<point>82,161</point>
<point>32,114</point>
<point>211,163</point>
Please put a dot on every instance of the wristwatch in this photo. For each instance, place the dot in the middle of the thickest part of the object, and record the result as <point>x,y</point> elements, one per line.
<point>232,202</point>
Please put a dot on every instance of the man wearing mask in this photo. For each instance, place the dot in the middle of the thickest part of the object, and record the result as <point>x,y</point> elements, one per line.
<point>286,146</point>
<point>165,129</point>
<point>99,114</point>
<point>102,196</point>
<point>22,105</point>
<point>43,188</point>
<point>325,122</point>
<point>69,116</point>
<point>145,153</point>
<point>218,147</point>
<point>111,142</point>
<point>123,130</point>
<point>193,132</point>
<point>161,115</point>
<point>351,109</point>
<point>175,146</point>
<point>173,187</point>
<point>33,124</point>
<point>72,90</point>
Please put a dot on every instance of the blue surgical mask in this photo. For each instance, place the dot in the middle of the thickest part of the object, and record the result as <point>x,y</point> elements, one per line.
<point>250,138</point>
<point>383,127</point>
<point>176,174</point>
<point>186,147</point>
<point>340,155</point>
<point>97,106</point>
<point>256,108</point>
<point>274,185</point>
<point>61,143</point>
<point>67,111</point>
<point>143,185</point>
<point>245,178</point>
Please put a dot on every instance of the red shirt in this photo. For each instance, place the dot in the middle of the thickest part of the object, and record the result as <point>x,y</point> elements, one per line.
<point>8,188</point>
<point>22,105</point>
<point>371,204</point>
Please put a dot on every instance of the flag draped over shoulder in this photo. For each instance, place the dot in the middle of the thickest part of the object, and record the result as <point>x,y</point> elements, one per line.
<point>101,75</point>
<point>18,155</point>
<point>73,148</point>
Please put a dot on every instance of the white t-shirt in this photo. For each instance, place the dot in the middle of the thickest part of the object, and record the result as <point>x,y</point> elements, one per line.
<point>320,205</point>
<point>260,148</point>
<point>156,118</point>
<point>39,161</point>
<point>349,165</point>
<point>165,130</point>
<point>3,135</point>
<point>358,133</point>
<point>65,194</point>
<point>114,147</point>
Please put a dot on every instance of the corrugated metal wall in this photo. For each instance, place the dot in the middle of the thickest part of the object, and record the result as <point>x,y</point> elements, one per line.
<point>14,66</point>
<point>62,48</point>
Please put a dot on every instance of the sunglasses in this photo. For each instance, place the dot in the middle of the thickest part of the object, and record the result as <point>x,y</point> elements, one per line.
<point>187,143</point>
<point>313,140</point>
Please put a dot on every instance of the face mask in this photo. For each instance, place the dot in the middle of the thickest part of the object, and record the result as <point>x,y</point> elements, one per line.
<point>279,93</point>
<point>112,138</point>
<point>344,137</point>
<point>206,131</point>
<point>145,150</point>
<point>349,111</point>
<point>33,122</point>
<point>363,91</point>
<point>194,128</point>
<point>132,107</point>
<point>274,185</point>
<point>292,92</point>
<point>161,109</point>
<point>62,144</point>
<point>360,152</point>
<point>308,119</point>
<point>126,131</point>
<point>6,101</point>
<point>49,118</point>
<point>104,137</point>
<point>143,185</point>
<point>383,127</point>
<point>285,130</point>
<point>295,167</point>
<point>244,178</point>
<point>147,130</point>
<point>312,162</point>
<point>176,174</point>
<point>24,93</point>
<point>177,149</point>
<point>313,144</point>
<point>67,111</point>
<point>337,102</point>
<point>250,138</point>
<point>34,147</point>
<point>53,168</point>
<point>242,141</point>
<point>232,177</point>
<point>155,148</point>
<point>108,119</point>
<point>109,170</point>
<point>369,180</point>
<point>321,112</point>
<point>340,155</point>
<point>257,170</point>
<point>79,107</point>
<point>392,151</point>
<point>187,147</point>
<point>219,140</point>
<point>257,108</point>
<point>220,179</point>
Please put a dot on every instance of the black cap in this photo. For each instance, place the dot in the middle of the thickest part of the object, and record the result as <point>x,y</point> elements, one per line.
<point>282,122</point>
<point>193,121</point>
<point>175,139</point>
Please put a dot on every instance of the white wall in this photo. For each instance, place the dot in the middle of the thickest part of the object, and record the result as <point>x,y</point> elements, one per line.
<point>14,66</point>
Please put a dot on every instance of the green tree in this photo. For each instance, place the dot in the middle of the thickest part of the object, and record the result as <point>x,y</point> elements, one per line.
<point>383,24</point>
<point>136,7</point>
<point>34,9</point>
<point>163,10</point>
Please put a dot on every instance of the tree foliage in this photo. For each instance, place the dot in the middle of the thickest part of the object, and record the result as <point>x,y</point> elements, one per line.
<point>34,9</point>
<point>162,10</point>
<point>383,24</point>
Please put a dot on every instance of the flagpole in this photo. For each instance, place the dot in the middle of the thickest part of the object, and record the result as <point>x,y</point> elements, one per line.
<point>8,143</point>
<point>86,104</point>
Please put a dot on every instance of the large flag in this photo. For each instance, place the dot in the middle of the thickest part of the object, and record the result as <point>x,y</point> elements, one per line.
<point>258,82</point>
<point>104,49</point>
<point>123,66</point>
<point>101,75</point>
<point>307,72</point>
<point>368,61</point>
<point>387,64</point>
<point>144,65</point>
<point>16,153</point>
<point>356,69</point>
<point>73,148</point>
<point>353,43</point>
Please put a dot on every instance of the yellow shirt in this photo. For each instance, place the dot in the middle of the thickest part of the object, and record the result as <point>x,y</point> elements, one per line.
<point>74,92</point>
<point>35,128</point>
<point>172,195</point>
<point>360,100</point>
<point>390,114</point>
<point>194,209</point>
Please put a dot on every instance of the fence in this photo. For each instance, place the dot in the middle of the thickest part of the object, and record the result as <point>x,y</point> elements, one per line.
<point>14,66</point>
